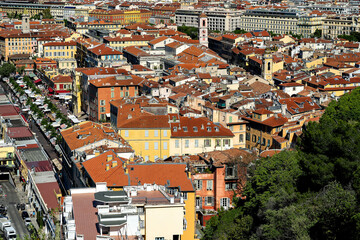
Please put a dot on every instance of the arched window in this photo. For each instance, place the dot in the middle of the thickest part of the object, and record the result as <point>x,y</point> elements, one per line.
<point>204,23</point>
<point>269,66</point>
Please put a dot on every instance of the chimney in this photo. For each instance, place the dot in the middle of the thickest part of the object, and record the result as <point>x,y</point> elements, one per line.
<point>107,167</point>
<point>114,164</point>
<point>109,158</point>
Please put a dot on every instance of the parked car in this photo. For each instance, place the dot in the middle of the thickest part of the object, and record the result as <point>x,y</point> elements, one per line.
<point>25,214</point>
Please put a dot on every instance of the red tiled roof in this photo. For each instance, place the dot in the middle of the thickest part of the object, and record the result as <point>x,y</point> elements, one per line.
<point>18,132</point>
<point>197,127</point>
<point>48,192</point>
<point>85,215</point>
<point>172,174</point>
<point>297,105</point>
<point>8,110</point>
<point>60,44</point>
<point>157,121</point>
<point>96,168</point>
<point>62,79</point>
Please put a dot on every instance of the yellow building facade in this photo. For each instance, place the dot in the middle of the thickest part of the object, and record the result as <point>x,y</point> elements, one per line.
<point>60,50</point>
<point>149,136</point>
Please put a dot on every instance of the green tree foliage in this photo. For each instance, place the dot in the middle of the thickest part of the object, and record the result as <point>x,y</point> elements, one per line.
<point>193,32</point>
<point>317,33</point>
<point>353,37</point>
<point>310,193</point>
<point>47,14</point>
<point>240,31</point>
<point>6,69</point>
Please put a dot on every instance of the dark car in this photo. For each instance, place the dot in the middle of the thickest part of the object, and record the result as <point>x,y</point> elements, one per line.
<point>25,214</point>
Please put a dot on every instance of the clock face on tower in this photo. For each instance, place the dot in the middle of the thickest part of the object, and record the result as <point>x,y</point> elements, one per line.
<point>203,31</point>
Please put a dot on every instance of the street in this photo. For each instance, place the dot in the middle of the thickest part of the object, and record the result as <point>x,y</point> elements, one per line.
<point>10,201</point>
<point>49,149</point>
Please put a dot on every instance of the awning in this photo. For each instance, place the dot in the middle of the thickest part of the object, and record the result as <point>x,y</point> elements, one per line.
<point>50,89</point>
<point>37,81</point>
<point>62,91</point>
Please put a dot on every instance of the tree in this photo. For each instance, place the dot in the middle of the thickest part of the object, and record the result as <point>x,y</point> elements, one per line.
<point>240,31</point>
<point>317,33</point>
<point>21,70</point>
<point>193,32</point>
<point>47,14</point>
<point>6,69</point>
<point>309,193</point>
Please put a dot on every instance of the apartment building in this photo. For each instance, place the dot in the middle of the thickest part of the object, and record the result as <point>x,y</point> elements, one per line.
<point>261,127</point>
<point>132,213</point>
<point>56,10</point>
<point>339,25</point>
<point>172,180</point>
<point>123,17</point>
<point>102,90</point>
<point>119,43</point>
<point>148,135</point>
<point>276,21</point>
<point>219,19</point>
<point>63,52</point>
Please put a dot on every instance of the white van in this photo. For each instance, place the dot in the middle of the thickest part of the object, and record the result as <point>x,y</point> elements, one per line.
<point>4,222</point>
<point>10,233</point>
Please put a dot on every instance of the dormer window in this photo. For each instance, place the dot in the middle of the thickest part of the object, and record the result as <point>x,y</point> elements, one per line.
<point>216,129</point>
<point>195,129</point>
<point>185,129</point>
<point>175,129</point>
<point>208,129</point>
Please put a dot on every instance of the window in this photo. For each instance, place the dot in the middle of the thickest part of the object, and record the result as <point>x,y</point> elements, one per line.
<point>165,147</point>
<point>207,143</point>
<point>198,202</point>
<point>254,138</point>
<point>248,136</point>
<point>209,201</point>
<point>230,171</point>
<point>112,94</point>
<point>209,185</point>
<point>241,138</point>
<point>102,102</point>
<point>208,129</point>
<point>156,133</point>
<point>102,109</point>
<point>156,145</point>
<point>230,186</point>
<point>225,202</point>
<point>186,143</point>
<point>263,141</point>
<point>231,128</point>
<point>165,133</point>
<point>259,139</point>
<point>156,157</point>
<point>226,142</point>
<point>146,158</point>
<point>196,143</point>
<point>217,142</point>
<point>185,129</point>
<point>268,143</point>
<point>184,195</point>
<point>146,133</point>
<point>241,127</point>
<point>177,145</point>
<point>195,129</point>
<point>198,184</point>
<point>126,133</point>
<point>146,146</point>
<point>159,238</point>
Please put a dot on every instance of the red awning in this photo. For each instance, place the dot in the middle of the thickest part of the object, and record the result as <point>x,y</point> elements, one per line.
<point>37,81</point>
<point>50,89</point>
<point>62,91</point>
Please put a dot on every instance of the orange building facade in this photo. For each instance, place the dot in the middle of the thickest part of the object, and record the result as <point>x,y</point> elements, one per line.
<point>101,91</point>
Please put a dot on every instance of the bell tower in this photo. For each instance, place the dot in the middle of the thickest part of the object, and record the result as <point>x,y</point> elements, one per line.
<point>267,70</point>
<point>25,23</point>
<point>203,30</point>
